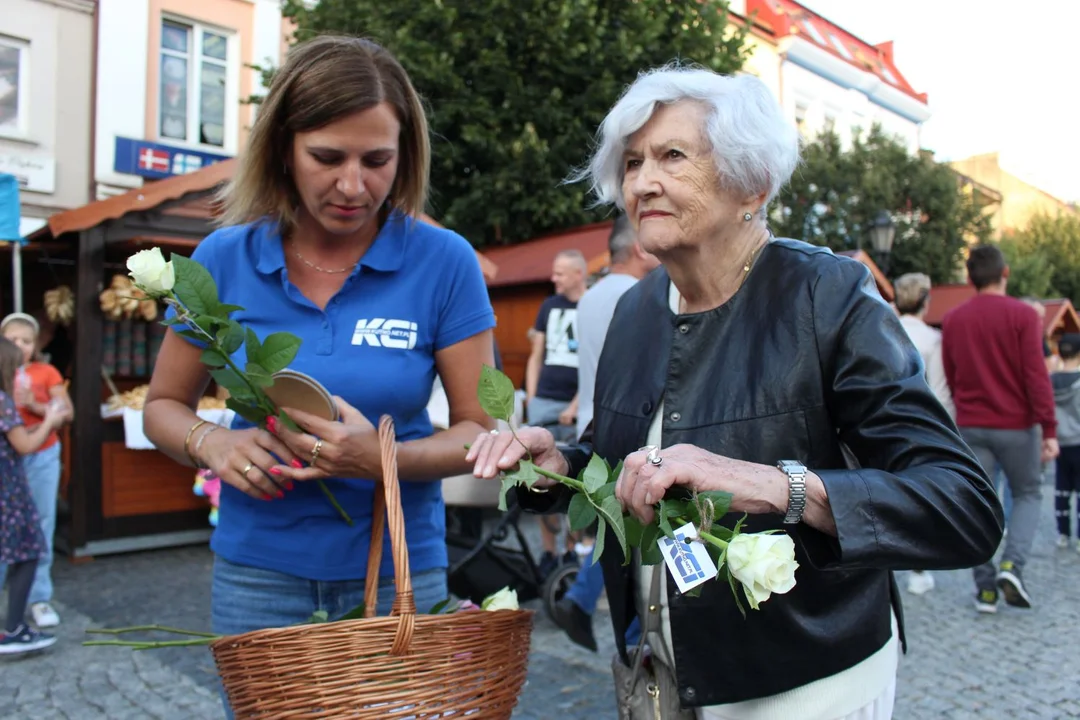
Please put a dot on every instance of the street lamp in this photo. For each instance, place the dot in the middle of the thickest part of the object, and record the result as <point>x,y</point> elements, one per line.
<point>882,234</point>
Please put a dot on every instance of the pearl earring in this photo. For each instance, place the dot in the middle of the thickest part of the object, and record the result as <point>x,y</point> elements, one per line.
<point>747,217</point>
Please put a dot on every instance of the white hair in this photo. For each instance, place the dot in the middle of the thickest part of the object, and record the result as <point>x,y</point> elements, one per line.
<point>756,148</point>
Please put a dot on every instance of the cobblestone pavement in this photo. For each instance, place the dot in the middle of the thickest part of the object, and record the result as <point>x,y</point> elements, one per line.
<point>1016,664</point>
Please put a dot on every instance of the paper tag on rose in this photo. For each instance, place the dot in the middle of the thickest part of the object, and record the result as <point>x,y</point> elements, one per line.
<point>687,560</point>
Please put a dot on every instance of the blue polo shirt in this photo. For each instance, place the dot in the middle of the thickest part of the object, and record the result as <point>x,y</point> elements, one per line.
<point>417,290</point>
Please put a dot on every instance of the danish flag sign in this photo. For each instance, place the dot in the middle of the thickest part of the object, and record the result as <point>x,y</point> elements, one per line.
<point>156,161</point>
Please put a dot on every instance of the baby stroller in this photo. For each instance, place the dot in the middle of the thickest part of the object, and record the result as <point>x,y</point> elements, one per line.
<point>488,549</point>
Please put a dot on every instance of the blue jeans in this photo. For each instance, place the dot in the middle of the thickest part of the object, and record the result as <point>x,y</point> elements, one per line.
<point>587,587</point>
<point>244,598</point>
<point>43,475</point>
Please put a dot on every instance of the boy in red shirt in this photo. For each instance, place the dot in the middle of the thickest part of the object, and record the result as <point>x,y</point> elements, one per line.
<point>992,352</point>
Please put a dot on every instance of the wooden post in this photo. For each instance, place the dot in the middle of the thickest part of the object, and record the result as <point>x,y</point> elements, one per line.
<point>86,474</point>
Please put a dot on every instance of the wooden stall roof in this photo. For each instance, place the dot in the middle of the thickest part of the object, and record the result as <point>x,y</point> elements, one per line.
<point>154,194</point>
<point>530,262</point>
<point>884,286</point>
<point>1060,313</point>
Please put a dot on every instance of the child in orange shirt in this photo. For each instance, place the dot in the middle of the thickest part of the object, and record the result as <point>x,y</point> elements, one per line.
<point>39,386</point>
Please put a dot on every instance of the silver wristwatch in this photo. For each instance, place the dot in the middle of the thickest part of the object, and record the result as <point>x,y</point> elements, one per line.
<point>796,474</point>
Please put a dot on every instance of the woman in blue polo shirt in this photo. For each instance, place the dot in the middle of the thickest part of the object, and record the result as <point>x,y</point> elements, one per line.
<point>321,241</point>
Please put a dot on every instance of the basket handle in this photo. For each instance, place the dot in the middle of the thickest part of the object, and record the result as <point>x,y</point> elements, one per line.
<point>388,509</point>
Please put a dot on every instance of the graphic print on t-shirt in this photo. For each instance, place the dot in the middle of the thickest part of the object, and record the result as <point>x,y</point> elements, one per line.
<point>561,338</point>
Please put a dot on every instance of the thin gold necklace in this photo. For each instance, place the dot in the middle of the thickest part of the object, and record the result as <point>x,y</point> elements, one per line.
<point>313,266</point>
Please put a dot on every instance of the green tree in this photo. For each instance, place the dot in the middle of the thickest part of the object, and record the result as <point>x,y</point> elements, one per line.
<point>838,191</point>
<point>1044,257</point>
<point>516,90</point>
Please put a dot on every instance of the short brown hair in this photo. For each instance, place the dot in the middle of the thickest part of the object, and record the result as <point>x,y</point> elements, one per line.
<point>324,80</point>
<point>985,265</point>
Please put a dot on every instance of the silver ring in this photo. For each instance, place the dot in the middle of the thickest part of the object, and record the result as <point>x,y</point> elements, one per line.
<point>315,452</point>
<point>653,457</point>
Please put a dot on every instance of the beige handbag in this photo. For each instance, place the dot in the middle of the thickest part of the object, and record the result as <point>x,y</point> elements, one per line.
<point>647,690</point>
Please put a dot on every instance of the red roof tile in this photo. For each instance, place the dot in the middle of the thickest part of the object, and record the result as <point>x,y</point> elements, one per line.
<point>530,262</point>
<point>787,17</point>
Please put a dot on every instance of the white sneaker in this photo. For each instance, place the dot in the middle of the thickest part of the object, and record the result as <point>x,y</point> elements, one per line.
<point>1063,541</point>
<point>920,583</point>
<point>44,615</point>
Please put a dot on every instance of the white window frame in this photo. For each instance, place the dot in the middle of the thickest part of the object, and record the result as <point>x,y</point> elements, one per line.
<point>22,100</point>
<point>194,58</point>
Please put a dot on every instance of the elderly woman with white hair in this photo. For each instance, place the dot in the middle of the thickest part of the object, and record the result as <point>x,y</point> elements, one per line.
<point>773,370</point>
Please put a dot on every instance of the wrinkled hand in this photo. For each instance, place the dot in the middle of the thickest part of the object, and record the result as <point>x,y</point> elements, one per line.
<point>349,449</point>
<point>642,484</point>
<point>228,453</point>
<point>497,451</point>
<point>1050,449</point>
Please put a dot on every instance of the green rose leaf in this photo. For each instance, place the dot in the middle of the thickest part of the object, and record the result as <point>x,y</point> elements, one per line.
<point>595,474</point>
<point>192,335</point>
<point>258,375</point>
<point>277,351</point>
<point>228,378</point>
<point>231,337</point>
<point>634,530</point>
<point>319,616</point>
<point>195,286</point>
<point>508,484</point>
<point>496,394</point>
<point>721,501</point>
<point>253,415</point>
<point>525,473</point>
<point>252,346</point>
<point>650,547</point>
<point>212,358</point>
<point>581,512</point>
<point>439,607</point>
<point>611,511</point>
<point>224,309</point>
<point>601,533</point>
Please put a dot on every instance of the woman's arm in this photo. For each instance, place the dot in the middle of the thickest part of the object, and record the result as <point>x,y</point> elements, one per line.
<point>179,380</point>
<point>60,393</point>
<point>919,499</point>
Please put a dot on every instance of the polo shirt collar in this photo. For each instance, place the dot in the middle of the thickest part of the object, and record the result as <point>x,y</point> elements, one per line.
<point>386,254</point>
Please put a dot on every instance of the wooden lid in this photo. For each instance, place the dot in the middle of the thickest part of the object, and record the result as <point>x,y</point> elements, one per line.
<point>292,389</point>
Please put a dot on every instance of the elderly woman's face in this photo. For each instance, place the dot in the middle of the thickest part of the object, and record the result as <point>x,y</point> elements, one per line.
<point>671,186</point>
<point>344,171</point>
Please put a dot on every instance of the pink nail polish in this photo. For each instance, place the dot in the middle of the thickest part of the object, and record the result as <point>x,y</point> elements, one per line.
<point>289,485</point>
<point>297,464</point>
<point>275,471</point>
<point>271,424</point>
<point>280,495</point>
<point>267,498</point>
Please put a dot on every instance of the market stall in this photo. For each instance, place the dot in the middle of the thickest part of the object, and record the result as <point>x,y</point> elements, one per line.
<point>123,494</point>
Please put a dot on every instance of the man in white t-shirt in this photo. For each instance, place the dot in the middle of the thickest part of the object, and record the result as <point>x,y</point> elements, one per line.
<point>628,264</point>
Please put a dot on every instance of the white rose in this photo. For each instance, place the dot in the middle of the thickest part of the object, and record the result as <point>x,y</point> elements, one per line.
<point>150,272</point>
<point>505,599</point>
<point>764,564</point>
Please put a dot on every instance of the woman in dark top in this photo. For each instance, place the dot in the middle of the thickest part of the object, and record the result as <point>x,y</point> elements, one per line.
<point>772,370</point>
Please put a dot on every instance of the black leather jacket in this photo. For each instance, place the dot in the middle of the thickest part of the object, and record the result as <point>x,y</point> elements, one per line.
<point>805,359</point>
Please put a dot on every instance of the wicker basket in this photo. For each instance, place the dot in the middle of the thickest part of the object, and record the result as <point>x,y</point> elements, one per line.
<point>465,664</point>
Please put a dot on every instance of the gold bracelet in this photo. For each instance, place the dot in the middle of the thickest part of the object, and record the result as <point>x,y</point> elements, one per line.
<point>198,444</point>
<point>187,441</point>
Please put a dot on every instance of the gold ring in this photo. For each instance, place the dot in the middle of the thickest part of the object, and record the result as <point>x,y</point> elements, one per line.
<point>249,468</point>
<point>315,452</point>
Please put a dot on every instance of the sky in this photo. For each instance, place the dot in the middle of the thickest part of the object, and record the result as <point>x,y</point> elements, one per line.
<point>1001,76</point>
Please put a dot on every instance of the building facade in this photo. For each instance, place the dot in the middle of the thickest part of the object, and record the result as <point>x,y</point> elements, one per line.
<point>172,76</point>
<point>826,77</point>
<point>1019,200</point>
<point>45,101</point>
